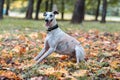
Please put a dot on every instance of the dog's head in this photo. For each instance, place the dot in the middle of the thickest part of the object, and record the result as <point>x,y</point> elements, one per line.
<point>50,18</point>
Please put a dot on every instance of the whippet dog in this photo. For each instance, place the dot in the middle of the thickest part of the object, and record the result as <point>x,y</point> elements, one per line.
<point>58,41</point>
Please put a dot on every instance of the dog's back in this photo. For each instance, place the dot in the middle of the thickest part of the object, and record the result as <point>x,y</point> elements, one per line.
<point>65,43</point>
<point>59,41</point>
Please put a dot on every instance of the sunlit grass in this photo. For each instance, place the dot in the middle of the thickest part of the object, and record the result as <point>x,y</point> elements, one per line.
<point>15,24</point>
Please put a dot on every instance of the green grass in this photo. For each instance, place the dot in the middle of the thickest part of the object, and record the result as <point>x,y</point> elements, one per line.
<point>15,24</point>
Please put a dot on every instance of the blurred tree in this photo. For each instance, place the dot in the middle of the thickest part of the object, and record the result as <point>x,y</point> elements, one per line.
<point>62,9</point>
<point>37,9</point>
<point>79,11</point>
<point>46,5</point>
<point>97,10</point>
<point>30,9</point>
<point>1,8</point>
<point>113,2</point>
<point>113,7</point>
<point>104,11</point>
<point>7,7</point>
<point>51,5</point>
<point>90,8</point>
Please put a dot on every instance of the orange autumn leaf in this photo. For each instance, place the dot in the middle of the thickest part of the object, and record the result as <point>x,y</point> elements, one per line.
<point>42,35</point>
<point>2,62</point>
<point>4,51</point>
<point>19,49</point>
<point>102,50</point>
<point>38,78</point>
<point>16,48</point>
<point>96,32</point>
<point>42,45</point>
<point>114,64</point>
<point>81,39</point>
<point>79,73</point>
<point>117,75</point>
<point>1,37</point>
<point>118,47</point>
<point>22,37</point>
<point>34,35</point>
<point>7,55</point>
<point>22,49</point>
<point>9,74</point>
<point>63,57</point>
<point>57,74</point>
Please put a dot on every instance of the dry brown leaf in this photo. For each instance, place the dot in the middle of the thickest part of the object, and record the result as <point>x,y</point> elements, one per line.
<point>118,47</point>
<point>22,37</point>
<point>16,49</point>
<point>9,74</point>
<point>79,73</point>
<point>63,57</point>
<point>114,64</point>
<point>117,75</point>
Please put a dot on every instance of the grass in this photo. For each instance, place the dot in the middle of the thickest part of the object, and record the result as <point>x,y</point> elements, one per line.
<point>15,24</point>
<point>33,45</point>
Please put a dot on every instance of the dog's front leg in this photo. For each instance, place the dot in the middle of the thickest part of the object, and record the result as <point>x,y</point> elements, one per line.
<point>40,54</point>
<point>46,47</point>
<point>46,54</point>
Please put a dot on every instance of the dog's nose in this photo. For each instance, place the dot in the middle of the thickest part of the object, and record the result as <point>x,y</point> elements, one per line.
<point>46,20</point>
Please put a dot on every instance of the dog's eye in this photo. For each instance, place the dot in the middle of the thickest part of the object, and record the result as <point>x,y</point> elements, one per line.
<point>51,15</point>
<point>45,15</point>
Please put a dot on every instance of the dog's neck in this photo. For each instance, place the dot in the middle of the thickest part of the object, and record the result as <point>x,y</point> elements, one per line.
<point>53,26</point>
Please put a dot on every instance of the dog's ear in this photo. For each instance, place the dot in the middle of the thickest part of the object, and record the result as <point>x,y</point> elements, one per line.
<point>55,12</point>
<point>44,14</point>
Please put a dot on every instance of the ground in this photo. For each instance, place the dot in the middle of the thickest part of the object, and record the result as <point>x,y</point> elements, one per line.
<point>21,40</point>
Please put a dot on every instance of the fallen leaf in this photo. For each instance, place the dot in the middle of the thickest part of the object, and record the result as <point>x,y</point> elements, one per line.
<point>118,47</point>
<point>63,57</point>
<point>114,64</point>
<point>79,73</point>
<point>117,75</point>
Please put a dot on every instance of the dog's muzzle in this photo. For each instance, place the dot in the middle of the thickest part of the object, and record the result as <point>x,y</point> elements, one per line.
<point>48,22</point>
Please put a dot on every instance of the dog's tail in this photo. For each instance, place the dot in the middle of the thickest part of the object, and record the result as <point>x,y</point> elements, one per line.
<point>80,53</point>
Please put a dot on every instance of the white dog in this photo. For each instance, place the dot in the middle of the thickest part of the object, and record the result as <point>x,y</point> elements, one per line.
<point>59,41</point>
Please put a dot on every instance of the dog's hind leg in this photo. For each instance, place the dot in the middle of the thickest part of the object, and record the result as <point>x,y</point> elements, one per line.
<point>80,54</point>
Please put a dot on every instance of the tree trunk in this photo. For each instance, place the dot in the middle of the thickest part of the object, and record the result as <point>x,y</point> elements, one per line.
<point>104,11</point>
<point>7,7</point>
<point>46,5</point>
<point>62,9</point>
<point>79,11</point>
<point>1,8</point>
<point>51,5</point>
<point>30,9</point>
<point>37,8</point>
<point>97,11</point>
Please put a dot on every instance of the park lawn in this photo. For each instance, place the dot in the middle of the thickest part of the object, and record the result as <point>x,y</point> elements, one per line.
<point>21,40</point>
<point>12,24</point>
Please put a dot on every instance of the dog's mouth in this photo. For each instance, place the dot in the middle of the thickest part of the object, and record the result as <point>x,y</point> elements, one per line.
<point>48,23</point>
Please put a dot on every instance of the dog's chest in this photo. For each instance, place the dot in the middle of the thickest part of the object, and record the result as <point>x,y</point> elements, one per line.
<point>52,38</point>
<point>63,43</point>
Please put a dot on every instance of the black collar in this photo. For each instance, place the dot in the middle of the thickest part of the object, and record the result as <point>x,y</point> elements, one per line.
<point>52,28</point>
